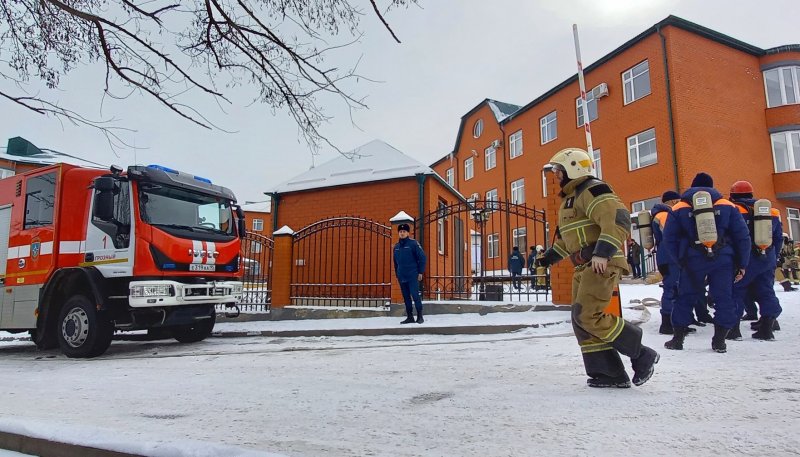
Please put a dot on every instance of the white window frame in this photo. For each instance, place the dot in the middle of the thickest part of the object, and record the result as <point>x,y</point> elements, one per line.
<point>491,196</point>
<point>258,225</point>
<point>598,164</point>
<point>793,214</point>
<point>255,247</point>
<point>490,158</point>
<point>469,169</point>
<point>544,124</point>
<point>518,191</point>
<point>477,128</point>
<point>641,205</point>
<point>792,150</point>
<point>6,173</point>
<point>520,233</point>
<point>474,197</point>
<point>634,145</point>
<point>493,245</point>
<point>579,112</point>
<point>628,79</point>
<point>440,228</point>
<point>794,75</point>
<point>515,144</point>
<point>450,176</point>
<point>544,183</point>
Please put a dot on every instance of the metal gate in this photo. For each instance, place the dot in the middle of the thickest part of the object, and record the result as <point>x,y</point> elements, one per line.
<point>468,245</point>
<point>342,261</point>
<point>256,254</point>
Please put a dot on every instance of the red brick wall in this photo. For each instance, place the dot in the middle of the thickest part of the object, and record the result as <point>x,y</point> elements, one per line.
<point>265,217</point>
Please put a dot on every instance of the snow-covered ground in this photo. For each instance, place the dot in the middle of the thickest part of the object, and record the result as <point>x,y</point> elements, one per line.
<point>513,394</point>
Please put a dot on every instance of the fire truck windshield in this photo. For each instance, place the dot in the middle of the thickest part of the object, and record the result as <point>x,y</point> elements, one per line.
<point>178,210</point>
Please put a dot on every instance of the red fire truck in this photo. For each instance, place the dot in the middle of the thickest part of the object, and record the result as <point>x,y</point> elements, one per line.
<point>86,252</point>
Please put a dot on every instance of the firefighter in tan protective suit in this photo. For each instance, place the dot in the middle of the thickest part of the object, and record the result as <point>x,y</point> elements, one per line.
<point>592,226</point>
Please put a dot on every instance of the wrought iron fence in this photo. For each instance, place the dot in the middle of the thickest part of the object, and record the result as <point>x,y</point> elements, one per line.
<point>469,245</point>
<point>342,261</point>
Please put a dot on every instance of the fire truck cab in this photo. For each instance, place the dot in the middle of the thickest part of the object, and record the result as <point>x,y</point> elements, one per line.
<point>86,252</point>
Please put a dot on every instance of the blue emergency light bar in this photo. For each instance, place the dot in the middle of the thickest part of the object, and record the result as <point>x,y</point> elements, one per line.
<point>176,172</point>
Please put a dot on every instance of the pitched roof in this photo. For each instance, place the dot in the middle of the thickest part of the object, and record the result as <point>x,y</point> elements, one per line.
<point>21,150</point>
<point>374,161</point>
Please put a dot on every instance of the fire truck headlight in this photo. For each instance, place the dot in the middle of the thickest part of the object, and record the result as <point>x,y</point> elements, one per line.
<point>157,290</point>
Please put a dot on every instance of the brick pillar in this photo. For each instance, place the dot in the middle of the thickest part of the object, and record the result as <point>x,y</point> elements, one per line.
<point>282,267</point>
<point>399,218</point>
<point>561,273</point>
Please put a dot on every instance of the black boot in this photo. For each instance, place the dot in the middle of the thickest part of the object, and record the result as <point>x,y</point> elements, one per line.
<point>757,324</point>
<point>676,343</point>
<point>776,327</point>
<point>735,334</point>
<point>419,317</point>
<point>787,286</point>
<point>765,329</point>
<point>644,365</point>
<point>718,340</point>
<point>749,317</point>
<point>409,319</point>
<point>666,326</point>
<point>621,382</point>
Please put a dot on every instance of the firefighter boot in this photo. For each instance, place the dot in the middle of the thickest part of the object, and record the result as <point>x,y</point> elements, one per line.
<point>605,369</point>
<point>601,380</point>
<point>735,334</point>
<point>676,343</point>
<point>787,286</point>
<point>718,340</point>
<point>757,324</point>
<point>765,329</point>
<point>666,325</point>
<point>409,318</point>
<point>643,359</point>
<point>419,317</point>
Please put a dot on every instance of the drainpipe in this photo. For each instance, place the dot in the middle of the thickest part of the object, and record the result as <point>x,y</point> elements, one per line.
<point>421,212</point>
<point>506,185</point>
<point>669,110</point>
<point>275,200</point>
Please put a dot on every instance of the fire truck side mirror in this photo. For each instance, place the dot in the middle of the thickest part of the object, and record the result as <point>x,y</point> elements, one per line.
<point>241,225</point>
<point>103,207</point>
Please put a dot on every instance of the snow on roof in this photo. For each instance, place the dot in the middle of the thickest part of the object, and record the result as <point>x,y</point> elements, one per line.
<point>374,161</point>
<point>501,110</point>
<point>49,158</point>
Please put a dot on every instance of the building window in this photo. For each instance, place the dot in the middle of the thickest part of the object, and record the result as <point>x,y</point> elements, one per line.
<point>258,225</point>
<point>786,150</point>
<point>591,104</point>
<point>450,173</point>
<point>477,129</point>
<point>794,223</point>
<point>598,167</point>
<point>520,236</point>
<point>40,200</point>
<point>642,150</point>
<point>255,247</point>
<point>549,127</point>
<point>491,199</point>
<point>515,144</point>
<point>636,82</point>
<point>544,183</point>
<point>468,170</point>
<point>518,191</point>
<point>493,242</point>
<point>473,198</point>
<point>491,158</point>
<point>6,173</point>
<point>644,205</point>
<point>440,228</point>
<point>782,86</point>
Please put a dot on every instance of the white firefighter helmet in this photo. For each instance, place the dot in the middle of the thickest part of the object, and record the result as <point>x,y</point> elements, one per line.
<point>574,161</point>
<point>539,247</point>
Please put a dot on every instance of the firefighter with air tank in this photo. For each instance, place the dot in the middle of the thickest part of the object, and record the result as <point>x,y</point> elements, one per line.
<point>709,239</point>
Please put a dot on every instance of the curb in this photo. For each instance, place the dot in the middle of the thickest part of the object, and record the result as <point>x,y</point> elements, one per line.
<point>45,448</point>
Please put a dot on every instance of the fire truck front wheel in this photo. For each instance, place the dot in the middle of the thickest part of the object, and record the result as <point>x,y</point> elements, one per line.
<point>197,331</point>
<point>83,331</point>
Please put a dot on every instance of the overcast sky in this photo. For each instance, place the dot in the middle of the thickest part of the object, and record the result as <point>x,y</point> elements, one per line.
<point>453,55</point>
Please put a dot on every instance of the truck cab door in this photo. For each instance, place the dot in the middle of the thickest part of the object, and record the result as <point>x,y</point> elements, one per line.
<point>110,239</point>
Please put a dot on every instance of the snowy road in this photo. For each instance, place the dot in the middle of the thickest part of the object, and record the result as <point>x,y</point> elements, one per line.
<point>482,395</point>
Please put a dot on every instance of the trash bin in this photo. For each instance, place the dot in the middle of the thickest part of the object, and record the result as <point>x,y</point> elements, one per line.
<point>492,292</point>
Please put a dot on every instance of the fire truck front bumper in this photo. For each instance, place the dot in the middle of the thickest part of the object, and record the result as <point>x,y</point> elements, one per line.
<point>144,294</point>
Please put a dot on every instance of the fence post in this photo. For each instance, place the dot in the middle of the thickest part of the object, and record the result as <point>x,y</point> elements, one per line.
<point>560,273</point>
<point>282,267</point>
<point>400,218</point>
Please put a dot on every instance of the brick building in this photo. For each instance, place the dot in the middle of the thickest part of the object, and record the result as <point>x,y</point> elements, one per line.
<point>676,99</point>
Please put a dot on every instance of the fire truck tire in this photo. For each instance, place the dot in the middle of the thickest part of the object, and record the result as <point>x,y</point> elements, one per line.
<point>197,331</point>
<point>82,331</point>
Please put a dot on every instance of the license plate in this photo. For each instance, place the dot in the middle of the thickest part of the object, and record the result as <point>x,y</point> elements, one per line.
<point>201,267</point>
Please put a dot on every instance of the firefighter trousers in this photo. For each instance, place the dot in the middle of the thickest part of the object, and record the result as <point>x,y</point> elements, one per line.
<point>758,283</point>
<point>601,337</point>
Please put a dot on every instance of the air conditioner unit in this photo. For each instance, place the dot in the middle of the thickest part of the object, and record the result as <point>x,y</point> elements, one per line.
<point>496,143</point>
<point>600,91</point>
